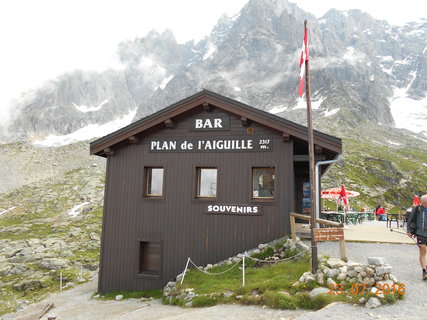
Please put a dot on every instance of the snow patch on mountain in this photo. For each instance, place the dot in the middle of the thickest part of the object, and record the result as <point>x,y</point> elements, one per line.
<point>409,113</point>
<point>278,109</point>
<point>301,104</point>
<point>394,143</point>
<point>74,212</point>
<point>7,210</point>
<point>165,82</point>
<point>86,109</point>
<point>330,112</point>
<point>210,52</point>
<point>88,132</point>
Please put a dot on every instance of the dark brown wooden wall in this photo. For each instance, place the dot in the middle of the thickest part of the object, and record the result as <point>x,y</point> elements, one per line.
<point>179,220</point>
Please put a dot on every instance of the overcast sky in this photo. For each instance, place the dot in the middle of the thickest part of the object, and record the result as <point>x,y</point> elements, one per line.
<point>43,38</point>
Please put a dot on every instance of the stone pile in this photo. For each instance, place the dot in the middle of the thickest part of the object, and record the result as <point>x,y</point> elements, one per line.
<point>333,271</point>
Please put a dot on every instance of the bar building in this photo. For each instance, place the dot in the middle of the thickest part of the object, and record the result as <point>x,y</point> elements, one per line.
<point>206,178</point>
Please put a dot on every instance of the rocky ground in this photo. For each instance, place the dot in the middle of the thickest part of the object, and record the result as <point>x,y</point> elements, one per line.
<point>49,228</point>
<point>22,163</point>
<point>78,303</point>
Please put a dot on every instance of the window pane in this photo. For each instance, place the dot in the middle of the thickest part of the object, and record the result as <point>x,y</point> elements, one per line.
<point>207,183</point>
<point>155,181</point>
<point>263,182</point>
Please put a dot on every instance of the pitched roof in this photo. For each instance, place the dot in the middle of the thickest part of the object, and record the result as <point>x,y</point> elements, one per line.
<point>232,106</point>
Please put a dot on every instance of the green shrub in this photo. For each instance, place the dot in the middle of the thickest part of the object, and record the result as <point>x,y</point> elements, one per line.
<point>286,302</point>
<point>269,251</point>
<point>204,301</point>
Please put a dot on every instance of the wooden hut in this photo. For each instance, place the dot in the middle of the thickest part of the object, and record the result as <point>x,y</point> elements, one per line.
<point>206,178</point>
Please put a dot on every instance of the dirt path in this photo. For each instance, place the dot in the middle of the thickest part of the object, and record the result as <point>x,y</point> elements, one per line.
<point>77,304</point>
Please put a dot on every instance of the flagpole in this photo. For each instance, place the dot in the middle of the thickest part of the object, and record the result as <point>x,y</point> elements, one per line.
<point>311,162</point>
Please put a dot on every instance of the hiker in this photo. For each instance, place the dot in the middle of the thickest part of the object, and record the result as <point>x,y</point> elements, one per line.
<point>417,227</point>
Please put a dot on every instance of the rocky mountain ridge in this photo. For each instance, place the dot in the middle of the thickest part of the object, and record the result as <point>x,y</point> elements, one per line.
<point>357,64</point>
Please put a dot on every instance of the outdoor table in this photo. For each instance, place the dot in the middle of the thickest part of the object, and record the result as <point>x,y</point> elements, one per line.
<point>333,216</point>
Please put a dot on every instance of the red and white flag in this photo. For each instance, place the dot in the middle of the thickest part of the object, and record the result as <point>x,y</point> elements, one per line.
<point>303,59</point>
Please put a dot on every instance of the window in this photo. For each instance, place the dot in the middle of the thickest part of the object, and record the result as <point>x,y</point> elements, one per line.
<point>149,258</point>
<point>154,186</point>
<point>206,182</point>
<point>263,183</point>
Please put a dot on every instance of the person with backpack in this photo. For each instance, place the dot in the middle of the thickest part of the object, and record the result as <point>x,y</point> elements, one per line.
<point>417,227</point>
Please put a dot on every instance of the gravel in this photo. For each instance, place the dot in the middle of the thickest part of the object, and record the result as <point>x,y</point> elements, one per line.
<point>404,260</point>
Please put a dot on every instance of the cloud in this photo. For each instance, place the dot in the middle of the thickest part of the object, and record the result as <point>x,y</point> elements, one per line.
<point>350,57</point>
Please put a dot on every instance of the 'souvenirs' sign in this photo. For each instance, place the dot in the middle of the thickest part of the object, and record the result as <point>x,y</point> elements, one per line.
<point>228,144</point>
<point>239,209</point>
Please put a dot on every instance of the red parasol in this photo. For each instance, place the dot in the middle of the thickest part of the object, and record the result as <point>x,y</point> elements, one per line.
<point>416,201</point>
<point>343,197</point>
<point>334,193</point>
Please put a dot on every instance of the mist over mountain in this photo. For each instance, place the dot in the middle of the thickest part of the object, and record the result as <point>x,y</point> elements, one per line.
<point>362,69</point>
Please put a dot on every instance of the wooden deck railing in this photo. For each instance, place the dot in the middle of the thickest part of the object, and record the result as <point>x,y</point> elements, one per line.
<point>293,216</point>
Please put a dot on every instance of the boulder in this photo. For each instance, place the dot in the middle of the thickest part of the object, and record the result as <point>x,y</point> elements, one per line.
<point>317,291</point>
<point>383,270</point>
<point>319,279</point>
<point>373,303</point>
<point>378,261</point>
<point>351,273</point>
<point>351,265</point>
<point>4,270</point>
<point>119,297</point>
<point>301,246</point>
<point>27,285</point>
<point>18,269</point>
<point>377,292</point>
<point>332,273</point>
<point>343,269</point>
<point>335,263</point>
<point>341,277</point>
<point>190,296</point>
<point>358,269</point>
<point>369,271</point>
<point>331,282</point>
<point>386,282</point>
<point>369,281</point>
<point>307,276</point>
<point>53,264</point>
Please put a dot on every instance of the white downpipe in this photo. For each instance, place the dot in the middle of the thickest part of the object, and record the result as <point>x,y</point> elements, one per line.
<point>317,184</point>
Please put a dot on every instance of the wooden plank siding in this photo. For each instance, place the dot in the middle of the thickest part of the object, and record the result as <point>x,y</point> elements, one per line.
<point>178,219</point>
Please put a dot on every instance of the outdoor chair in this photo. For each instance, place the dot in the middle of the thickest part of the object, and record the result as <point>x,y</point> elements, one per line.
<point>391,218</point>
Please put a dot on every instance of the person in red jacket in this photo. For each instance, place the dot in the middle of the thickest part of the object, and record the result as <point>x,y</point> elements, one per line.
<point>381,213</point>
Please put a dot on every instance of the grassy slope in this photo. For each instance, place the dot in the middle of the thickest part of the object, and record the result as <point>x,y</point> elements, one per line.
<point>381,171</point>
<point>41,213</point>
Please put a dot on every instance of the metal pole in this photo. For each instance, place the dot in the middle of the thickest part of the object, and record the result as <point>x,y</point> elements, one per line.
<point>185,270</point>
<point>318,164</point>
<point>311,162</point>
<point>244,269</point>
<point>60,280</point>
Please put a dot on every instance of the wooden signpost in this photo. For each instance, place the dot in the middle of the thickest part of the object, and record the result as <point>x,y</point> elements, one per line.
<point>328,234</point>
